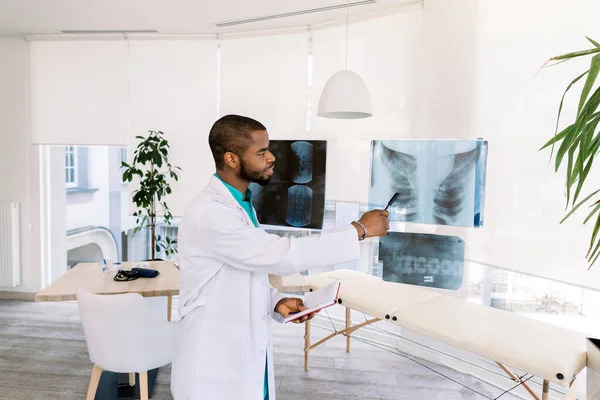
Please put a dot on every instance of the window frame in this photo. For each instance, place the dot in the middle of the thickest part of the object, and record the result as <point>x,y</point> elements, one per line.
<point>75,167</point>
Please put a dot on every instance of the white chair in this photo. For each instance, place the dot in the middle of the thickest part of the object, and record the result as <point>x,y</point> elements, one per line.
<point>124,335</point>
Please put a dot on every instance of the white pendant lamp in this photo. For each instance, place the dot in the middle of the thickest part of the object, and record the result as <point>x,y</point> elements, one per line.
<point>345,95</point>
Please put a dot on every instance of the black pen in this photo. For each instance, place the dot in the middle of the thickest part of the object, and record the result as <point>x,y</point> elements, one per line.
<point>392,200</point>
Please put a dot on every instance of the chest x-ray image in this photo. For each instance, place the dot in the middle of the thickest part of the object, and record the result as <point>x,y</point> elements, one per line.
<point>295,194</point>
<point>422,259</point>
<point>440,182</point>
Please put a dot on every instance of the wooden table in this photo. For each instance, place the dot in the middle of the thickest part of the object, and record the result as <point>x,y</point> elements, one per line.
<point>92,278</point>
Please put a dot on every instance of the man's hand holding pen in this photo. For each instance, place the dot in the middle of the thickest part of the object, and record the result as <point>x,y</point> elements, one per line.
<point>374,222</point>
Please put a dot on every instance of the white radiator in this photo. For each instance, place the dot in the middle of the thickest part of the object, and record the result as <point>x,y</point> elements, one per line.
<point>10,264</point>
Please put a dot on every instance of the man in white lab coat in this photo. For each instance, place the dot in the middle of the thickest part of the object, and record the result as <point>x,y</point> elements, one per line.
<point>224,348</point>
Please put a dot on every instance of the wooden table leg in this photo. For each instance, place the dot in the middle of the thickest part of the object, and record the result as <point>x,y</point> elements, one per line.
<point>348,322</point>
<point>517,379</point>
<point>545,390</point>
<point>306,343</point>
<point>169,307</point>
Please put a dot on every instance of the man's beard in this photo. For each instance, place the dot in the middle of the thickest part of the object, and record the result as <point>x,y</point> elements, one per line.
<point>252,176</point>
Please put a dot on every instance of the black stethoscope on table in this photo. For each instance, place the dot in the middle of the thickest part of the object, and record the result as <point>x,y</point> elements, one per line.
<point>124,276</point>
<point>134,273</point>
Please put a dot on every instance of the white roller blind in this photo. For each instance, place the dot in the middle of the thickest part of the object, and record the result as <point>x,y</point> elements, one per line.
<point>385,53</point>
<point>174,90</point>
<point>348,170</point>
<point>79,92</point>
<point>265,78</point>
<point>515,108</point>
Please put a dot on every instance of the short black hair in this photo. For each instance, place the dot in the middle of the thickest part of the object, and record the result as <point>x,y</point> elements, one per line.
<point>231,133</point>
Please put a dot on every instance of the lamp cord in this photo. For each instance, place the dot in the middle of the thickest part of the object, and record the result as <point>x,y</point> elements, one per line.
<point>347,14</point>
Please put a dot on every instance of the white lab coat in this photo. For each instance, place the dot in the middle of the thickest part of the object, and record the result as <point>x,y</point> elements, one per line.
<point>226,302</point>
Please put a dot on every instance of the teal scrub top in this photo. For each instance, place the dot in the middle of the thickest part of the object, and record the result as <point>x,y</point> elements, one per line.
<point>246,204</point>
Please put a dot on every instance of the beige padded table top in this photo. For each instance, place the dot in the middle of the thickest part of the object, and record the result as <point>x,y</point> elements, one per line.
<point>554,353</point>
<point>533,346</point>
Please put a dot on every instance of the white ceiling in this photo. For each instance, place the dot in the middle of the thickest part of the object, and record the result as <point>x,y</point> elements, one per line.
<point>19,17</point>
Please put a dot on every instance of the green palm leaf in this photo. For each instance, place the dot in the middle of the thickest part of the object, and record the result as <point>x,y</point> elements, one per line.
<point>574,81</point>
<point>593,42</point>
<point>589,82</point>
<point>576,54</point>
<point>579,142</point>
<point>594,211</point>
<point>579,205</point>
<point>557,137</point>
<point>594,235</point>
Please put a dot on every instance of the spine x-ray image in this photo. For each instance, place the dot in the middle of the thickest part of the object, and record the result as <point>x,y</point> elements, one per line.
<point>295,194</point>
<point>422,259</point>
<point>440,182</point>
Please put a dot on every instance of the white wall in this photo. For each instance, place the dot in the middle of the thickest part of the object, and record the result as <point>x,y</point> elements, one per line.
<point>79,92</point>
<point>265,77</point>
<point>173,89</point>
<point>447,67</point>
<point>515,109</point>
<point>19,166</point>
<point>442,104</point>
<point>53,205</point>
<point>453,69</point>
<point>477,78</point>
<point>385,52</point>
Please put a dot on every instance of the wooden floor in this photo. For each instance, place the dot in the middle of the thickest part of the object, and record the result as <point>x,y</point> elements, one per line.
<point>43,355</point>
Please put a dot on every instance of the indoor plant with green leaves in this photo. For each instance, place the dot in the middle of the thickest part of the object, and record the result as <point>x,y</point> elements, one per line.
<point>579,143</point>
<point>153,172</point>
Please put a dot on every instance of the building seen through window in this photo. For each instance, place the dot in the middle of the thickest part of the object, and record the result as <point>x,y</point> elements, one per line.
<point>98,215</point>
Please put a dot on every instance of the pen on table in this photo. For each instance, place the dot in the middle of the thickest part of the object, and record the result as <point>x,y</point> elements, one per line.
<point>106,266</point>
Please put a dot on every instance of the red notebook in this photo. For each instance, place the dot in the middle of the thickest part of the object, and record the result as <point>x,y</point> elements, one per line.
<point>318,300</point>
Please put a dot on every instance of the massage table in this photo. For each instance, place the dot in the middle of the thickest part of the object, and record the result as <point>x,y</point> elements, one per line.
<point>550,352</point>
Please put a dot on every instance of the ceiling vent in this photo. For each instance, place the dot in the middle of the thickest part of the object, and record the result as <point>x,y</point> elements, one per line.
<point>294,13</point>
<point>107,32</point>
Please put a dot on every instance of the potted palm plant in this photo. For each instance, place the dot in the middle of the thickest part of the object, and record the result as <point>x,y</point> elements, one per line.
<point>579,143</point>
<point>153,172</point>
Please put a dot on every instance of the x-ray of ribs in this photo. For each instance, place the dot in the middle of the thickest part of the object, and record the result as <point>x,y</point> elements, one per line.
<point>403,179</point>
<point>450,196</point>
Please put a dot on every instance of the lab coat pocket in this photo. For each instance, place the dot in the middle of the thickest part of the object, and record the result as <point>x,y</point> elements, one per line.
<point>222,351</point>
